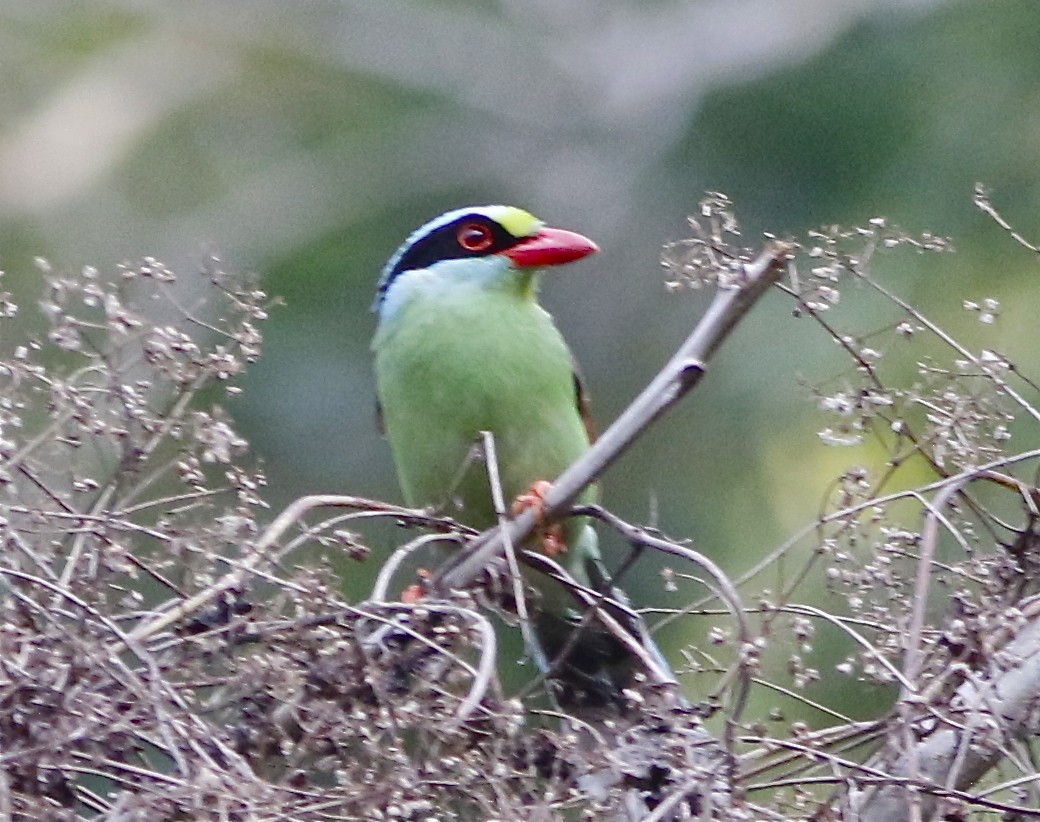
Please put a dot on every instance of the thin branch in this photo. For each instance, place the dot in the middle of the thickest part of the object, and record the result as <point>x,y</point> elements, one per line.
<point>1004,696</point>
<point>597,603</point>
<point>983,204</point>
<point>724,589</point>
<point>258,553</point>
<point>534,647</point>
<point>381,587</point>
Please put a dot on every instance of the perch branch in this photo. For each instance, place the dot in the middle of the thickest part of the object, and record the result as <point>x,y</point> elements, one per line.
<point>682,372</point>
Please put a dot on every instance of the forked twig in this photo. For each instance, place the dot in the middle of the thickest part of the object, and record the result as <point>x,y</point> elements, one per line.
<point>722,585</point>
<point>595,601</point>
<point>381,588</point>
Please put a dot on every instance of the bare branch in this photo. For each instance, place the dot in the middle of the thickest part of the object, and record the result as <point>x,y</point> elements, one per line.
<point>258,554</point>
<point>682,372</point>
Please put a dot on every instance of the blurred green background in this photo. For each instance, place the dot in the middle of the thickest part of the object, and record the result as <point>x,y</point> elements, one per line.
<point>305,140</point>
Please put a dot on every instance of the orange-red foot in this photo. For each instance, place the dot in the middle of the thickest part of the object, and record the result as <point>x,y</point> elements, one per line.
<point>415,592</point>
<point>532,498</point>
<point>553,543</point>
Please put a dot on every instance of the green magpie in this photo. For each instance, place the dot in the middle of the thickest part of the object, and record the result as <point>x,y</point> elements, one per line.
<point>463,347</point>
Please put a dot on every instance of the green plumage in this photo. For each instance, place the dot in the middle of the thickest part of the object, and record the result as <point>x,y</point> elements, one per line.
<point>463,347</point>
<point>459,358</point>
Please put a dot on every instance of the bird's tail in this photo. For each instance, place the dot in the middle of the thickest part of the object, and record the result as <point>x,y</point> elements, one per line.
<point>647,745</point>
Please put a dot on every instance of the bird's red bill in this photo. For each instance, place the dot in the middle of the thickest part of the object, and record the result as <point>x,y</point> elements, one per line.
<point>550,246</point>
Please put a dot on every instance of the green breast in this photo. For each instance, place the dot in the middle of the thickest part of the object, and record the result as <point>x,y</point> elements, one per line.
<point>457,361</point>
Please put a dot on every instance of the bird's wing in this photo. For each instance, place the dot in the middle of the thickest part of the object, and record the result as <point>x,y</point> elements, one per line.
<point>581,401</point>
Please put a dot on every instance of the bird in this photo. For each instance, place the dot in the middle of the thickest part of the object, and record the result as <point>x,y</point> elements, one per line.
<point>463,346</point>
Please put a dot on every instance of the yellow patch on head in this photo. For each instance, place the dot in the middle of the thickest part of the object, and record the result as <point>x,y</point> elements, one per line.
<point>516,221</point>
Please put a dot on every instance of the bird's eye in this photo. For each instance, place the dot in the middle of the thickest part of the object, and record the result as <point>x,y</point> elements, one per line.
<point>474,237</point>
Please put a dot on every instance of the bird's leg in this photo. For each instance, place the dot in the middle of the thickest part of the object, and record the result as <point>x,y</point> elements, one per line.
<point>533,498</point>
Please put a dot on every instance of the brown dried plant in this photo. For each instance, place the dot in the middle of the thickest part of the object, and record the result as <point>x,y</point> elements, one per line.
<point>169,650</point>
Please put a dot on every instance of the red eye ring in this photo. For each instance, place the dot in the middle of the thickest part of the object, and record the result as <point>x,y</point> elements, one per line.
<point>474,237</point>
